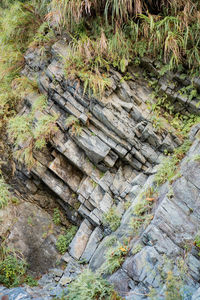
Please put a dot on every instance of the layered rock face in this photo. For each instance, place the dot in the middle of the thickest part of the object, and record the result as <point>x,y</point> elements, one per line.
<point>108,160</point>
<point>116,142</point>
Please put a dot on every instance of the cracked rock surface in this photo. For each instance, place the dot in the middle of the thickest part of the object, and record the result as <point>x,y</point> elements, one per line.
<point>111,163</point>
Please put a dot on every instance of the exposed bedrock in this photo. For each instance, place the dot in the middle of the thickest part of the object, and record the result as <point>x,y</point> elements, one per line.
<point>110,164</point>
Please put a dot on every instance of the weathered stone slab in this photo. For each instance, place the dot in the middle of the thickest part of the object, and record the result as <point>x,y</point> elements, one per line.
<point>121,282</point>
<point>106,203</point>
<point>174,222</point>
<point>84,211</point>
<point>149,153</point>
<point>109,133</point>
<point>92,244</point>
<point>106,181</point>
<point>110,159</point>
<point>143,266</point>
<point>106,116</point>
<point>67,172</point>
<point>97,195</point>
<point>79,242</point>
<point>95,149</point>
<point>187,196</point>
<point>133,162</point>
<point>161,242</point>
<point>86,187</point>
<point>79,159</point>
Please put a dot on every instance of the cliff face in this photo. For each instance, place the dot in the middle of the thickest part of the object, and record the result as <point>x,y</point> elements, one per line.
<point>107,158</point>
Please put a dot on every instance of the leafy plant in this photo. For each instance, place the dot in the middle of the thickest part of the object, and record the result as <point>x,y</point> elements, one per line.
<point>29,136</point>
<point>142,210</point>
<point>64,240</point>
<point>90,286</point>
<point>197,242</point>
<point>169,165</point>
<point>12,270</point>
<point>56,217</point>
<point>31,281</point>
<point>173,287</point>
<point>111,219</point>
<point>74,123</point>
<point>114,258</point>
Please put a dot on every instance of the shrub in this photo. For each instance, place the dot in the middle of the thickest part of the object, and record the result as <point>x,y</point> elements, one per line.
<point>29,137</point>
<point>174,285</point>
<point>12,270</point>
<point>142,211</point>
<point>90,286</point>
<point>111,219</point>
<point>169,165</point>
<point>114,258</point>
<point>31,281</point>
<point>63,241</point>
<point>56,217</point>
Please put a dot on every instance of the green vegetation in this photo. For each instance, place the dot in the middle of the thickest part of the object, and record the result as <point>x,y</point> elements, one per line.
<point>137,248</point>
<point>29,137</point>
<point>173,281</point>
<point>102,34</point>
<point>5,194</point>
<point>31,281</point>
<point>90,286</point>
<point>197,242</point>
<point>75,125</point>
<point>56,216</point>
<point>111,219</point>
<point>114,33</point>
<point>12,268</point>
<point>169,165</point>
<point>115,256</point>
<point>173,287</point>
<point>142,211</point>
<point>64,240</point>
<point>21,24</point>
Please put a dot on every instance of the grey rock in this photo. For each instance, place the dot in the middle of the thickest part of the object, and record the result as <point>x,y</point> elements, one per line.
<point>92,244</point>
<point>95,149</point>
<point>196,295</point>
<point>139,180</point>
<point>149,135</point>
<point>98,257</point>
<point>97,195</point>
<point>194,266</point>
<point>173,221</point>
<point>56,272</point>
<point>66,257</point>
<point>86,187</point>
<point>84,211</point>
<point>79,242</point>
<point>106,181</point>
<point>149,153</point>
<point>15,294</point>
<point>106,203</point>
<point>121,282</point>
<point>187,196</point>
<point>133,162</point>
<point>142,266</point>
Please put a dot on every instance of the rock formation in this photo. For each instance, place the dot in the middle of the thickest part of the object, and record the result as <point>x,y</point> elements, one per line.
<point>109,160</point>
